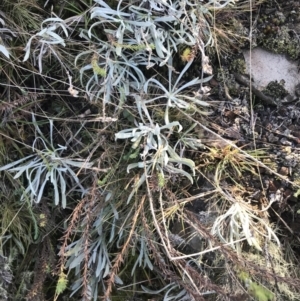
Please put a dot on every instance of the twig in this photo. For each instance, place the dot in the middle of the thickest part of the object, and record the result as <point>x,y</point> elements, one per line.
<point>246,82</point>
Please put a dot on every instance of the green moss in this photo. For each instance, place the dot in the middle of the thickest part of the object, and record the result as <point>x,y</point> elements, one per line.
<point>276,89</point>
<point>260,293</point>
<point>281,43</point>
<point>257,291</point>
<point>230,86</point>
<point>238,66</point>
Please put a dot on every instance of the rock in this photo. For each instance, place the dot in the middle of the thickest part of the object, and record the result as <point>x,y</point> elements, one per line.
<point>265,67</point>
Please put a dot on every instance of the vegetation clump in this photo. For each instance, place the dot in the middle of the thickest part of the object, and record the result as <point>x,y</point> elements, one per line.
<point>108,144</point>
<point>282,43</point>
<point>275,89</point>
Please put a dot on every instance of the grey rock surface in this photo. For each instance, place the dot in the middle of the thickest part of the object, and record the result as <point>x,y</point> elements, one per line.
<point>264,66</point>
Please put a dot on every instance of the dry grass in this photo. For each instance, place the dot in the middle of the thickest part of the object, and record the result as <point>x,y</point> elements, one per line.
<point>116,233</point>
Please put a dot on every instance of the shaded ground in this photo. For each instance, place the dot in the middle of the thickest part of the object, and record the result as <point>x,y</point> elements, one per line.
<point>249,156</point>
<point>264,123</point>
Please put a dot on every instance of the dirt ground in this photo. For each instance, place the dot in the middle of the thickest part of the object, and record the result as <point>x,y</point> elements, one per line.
<point>262,121</point>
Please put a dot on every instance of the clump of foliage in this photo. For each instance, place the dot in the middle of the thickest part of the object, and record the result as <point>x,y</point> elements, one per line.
<point>99,133</point>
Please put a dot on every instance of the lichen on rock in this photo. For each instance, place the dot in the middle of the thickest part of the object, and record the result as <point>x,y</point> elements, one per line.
<point>284,41</point>
<point>276,90</point>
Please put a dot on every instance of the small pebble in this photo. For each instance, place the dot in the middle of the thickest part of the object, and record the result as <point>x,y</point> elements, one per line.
<point>284,171</point>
